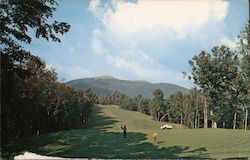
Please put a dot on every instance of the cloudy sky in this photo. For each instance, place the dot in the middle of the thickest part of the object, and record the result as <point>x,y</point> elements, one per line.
<point>139,39</point>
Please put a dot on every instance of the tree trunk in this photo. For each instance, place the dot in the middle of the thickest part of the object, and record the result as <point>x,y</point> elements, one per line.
<point>192,121</point>
<point>214,123</point>
<point>158,116</point>
<point>163,116</point>
<point>169,118</point>
<point>198,121</point>
<point>246,120</point>
<point>195,120</point>
<point>205,112</point>
<point>181,119</point>
<point>235,119</point>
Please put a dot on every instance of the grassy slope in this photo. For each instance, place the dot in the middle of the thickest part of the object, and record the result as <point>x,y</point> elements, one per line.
<point>105,140</point>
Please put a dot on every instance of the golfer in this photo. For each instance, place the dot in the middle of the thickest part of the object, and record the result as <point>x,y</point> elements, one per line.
<point>155,136</point>
<point>124,128</point>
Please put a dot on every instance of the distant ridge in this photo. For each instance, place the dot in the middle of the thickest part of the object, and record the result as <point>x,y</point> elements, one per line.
<point>108,84</point>
<point>104,77</point>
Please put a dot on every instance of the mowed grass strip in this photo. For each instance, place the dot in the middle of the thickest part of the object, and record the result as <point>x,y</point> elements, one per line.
<point>105,139</point>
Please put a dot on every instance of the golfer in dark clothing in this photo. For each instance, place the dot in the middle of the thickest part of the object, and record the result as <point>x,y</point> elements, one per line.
<point>124,131</point>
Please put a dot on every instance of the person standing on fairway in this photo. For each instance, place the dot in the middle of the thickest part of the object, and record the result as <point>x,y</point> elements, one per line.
<point>124,131</point>
<point>155,136</point>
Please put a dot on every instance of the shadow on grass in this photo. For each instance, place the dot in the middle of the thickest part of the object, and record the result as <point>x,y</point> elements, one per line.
<point>99,143</point>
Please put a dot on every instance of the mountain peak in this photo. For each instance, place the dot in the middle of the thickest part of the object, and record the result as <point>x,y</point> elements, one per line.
<point>139,81</point>
<point>105,77</point>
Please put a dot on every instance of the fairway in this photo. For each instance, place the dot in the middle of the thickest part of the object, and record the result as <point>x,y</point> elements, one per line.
<point>105,139</point>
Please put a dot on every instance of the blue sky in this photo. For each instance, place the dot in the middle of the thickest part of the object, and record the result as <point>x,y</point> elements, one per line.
<point>139,40</point>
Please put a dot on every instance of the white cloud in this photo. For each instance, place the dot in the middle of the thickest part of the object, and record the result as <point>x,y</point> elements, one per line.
<point>142,72</point>
<point>148,58</point>
<point>158,24</point>
<point>97,42</point>
<point>71,72</point>
<point>124,64</point>
<point>228,42</point>
<point>93,5</point>
<point>177,18</point>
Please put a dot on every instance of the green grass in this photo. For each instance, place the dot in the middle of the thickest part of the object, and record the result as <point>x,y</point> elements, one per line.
<point>105,139</point>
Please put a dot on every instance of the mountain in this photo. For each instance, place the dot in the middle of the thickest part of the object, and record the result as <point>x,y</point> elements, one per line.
<point>108,84</point>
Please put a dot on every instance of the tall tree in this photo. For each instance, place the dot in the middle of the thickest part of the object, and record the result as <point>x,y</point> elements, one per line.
<point>139,103</point>
<point>176,102</point>
<point>214,73</point>
<point>197,104</point>
<point>157,104</point>
<point>243,48</point>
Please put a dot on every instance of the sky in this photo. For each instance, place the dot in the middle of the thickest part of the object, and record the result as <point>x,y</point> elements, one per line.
<point>146,40</point>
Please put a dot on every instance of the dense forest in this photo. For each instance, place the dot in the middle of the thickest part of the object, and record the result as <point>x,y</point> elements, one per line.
<point>34,101</point>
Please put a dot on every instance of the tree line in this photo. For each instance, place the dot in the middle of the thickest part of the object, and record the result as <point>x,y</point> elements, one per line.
<point>36,102</point>
<point>220,96</point>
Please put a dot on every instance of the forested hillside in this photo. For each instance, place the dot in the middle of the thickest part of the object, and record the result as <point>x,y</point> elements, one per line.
<point>107,84</point>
